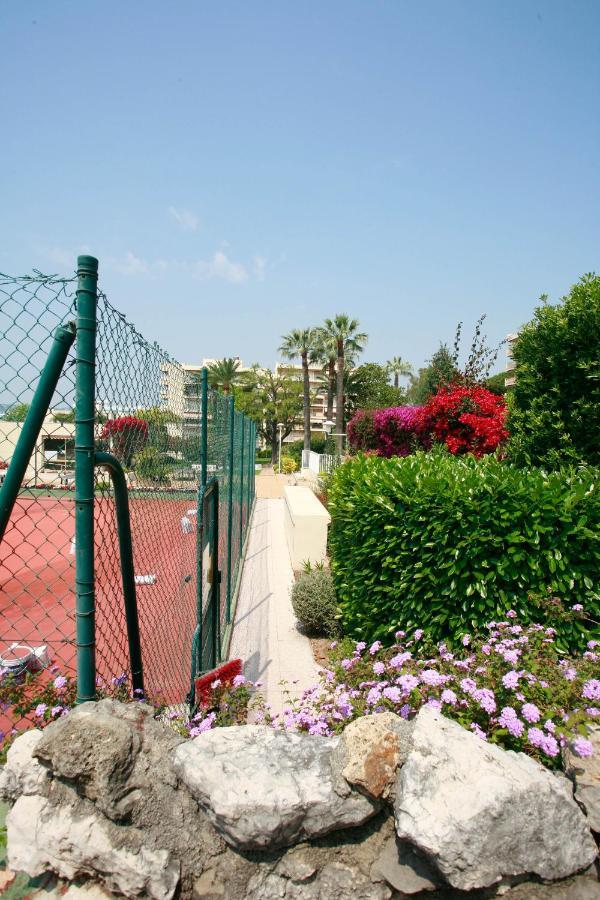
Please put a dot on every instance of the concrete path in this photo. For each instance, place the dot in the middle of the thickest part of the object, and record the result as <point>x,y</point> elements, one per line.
<point>265,634</point>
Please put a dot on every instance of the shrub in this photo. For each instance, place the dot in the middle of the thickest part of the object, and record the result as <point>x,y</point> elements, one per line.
<point>288,465</point>
<point>314,602</point>
<point>555,403</point>
<point>150,465</point>
<point>467,419</point>
<point>128,435</point>
<point>449,543</point>
<point>508,685</point>
<point>361,430</point>
<point>396,431</point>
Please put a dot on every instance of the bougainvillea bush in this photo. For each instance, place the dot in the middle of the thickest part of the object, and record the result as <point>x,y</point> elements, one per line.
<point>128,435</point>
<point>510,685</point>
<point>396,431</point>
<point>467,419</point>
<point>448,543</point>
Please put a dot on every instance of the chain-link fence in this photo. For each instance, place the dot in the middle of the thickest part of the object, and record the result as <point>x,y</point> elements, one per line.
<point>169,434</point>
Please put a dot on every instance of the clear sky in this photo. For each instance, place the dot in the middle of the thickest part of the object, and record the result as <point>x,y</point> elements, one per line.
<point>243,168</point>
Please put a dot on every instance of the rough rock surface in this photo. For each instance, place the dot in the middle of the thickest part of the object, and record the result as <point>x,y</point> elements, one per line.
<point>480,813</point>
<point>402,869</point>
<point>91,789</point>
<point>22,774</point>
<point>585,774</point>
<point>263,788</point>
<point>370,751</point>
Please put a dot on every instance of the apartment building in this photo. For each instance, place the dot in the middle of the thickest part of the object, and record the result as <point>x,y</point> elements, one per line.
<point>318,391</point>
<point>511,366</point>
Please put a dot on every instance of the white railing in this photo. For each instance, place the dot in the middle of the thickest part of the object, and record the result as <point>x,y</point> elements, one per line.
<point>319,463</point>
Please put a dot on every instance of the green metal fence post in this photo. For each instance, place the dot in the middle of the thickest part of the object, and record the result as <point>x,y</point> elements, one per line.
<point>204,434</point>
<point>242,484</point>
<point>29,434</point>
<point>249,487</point>
<point>230,505</point>
<point>85,395</point>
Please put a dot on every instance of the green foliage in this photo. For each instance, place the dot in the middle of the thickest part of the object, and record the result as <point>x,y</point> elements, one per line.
<point>223,374</point>
<point>295,448</point>
<point>64,415</point>
<point>555,404</point>
<point>149,465</point>
<point>496,383</point>
<point>314,602</point>
<point>288,465</point>
<point>440,372</point>
<point>16,413</point>
<point>368,387</point>
<point>268,399</point>
<point>448,544</point>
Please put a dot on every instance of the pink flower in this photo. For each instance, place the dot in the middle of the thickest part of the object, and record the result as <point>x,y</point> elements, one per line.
<point>478,731</point>
<point>432,678</point>
<point>375,647</point>
<point>40,710</point>
<point>418,634</point>
<point>510,680</point>
<point>591,689</point>
<point>530,712</point>
<point>468,685</point>
<point>408,683</point>
<point>449,697</point>
<point>239,680</point>
<point>392,693</point>
<point>379,668</point>
<point>60,682</point>
<point>582,747</point>
<point>396,662</point>
<point>511,614</point>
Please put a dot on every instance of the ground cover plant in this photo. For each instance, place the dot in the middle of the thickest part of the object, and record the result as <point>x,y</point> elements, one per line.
<point>510,684</point>
<point>449,543</point>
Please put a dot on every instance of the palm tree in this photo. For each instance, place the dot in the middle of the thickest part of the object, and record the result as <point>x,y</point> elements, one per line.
<point>343,332</point>
<point>302,343</point>
<point>224,373</point>
<point>326,354</point>
<point>399,369</point>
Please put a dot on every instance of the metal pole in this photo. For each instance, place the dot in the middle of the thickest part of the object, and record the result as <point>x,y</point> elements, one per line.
<point>119,481</point>
<point>243,421</point>
<point>230,507</point>
<point>85,394</point>
<point>30,430</point>
<point>279,427</point>
<point>204,435</point>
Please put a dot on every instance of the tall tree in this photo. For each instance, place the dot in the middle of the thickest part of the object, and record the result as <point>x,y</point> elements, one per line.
<point>348,341</point>
<point>302,343</point>
<point>224,373</point>
<point>270,399</point>
<point>368,387</point>
<point>441,371</point>
<point>326,354</point>
<point>399,369</point>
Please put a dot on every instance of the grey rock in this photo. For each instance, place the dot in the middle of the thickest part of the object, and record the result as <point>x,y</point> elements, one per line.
<point>96,749</point>
<point>585,774</point>
<point>23,774</point>
<point>71,843</point>
<point>573,889</point>
<point>370,751</point>
<point>263,788</point>
<point>402,869</point>
<point>480,813</point>
<point>335,881</point>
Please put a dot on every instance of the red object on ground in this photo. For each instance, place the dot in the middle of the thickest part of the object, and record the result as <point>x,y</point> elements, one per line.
<point>225,674</point>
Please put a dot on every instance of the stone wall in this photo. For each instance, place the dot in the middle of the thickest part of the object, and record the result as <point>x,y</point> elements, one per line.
<point>390,809</point>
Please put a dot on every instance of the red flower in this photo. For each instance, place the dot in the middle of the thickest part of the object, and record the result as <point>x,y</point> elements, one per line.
<point>466,419</point>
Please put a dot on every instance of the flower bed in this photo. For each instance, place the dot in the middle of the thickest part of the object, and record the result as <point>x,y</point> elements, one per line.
<point>511,686</point>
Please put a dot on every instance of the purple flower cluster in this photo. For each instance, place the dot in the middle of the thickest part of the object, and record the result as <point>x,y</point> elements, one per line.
<point>510,686</point>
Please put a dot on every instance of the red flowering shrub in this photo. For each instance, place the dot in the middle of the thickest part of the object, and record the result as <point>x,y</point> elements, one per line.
<point>128,435</point>
<point>466,419</point>
<point>361,430</point>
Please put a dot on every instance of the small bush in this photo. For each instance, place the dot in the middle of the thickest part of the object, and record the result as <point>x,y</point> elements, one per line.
<point>288,465</point>
<point>150,465</point>
<point>314,603</point>
<point>361,430</point>
<point>466,418</point>
<point>449,543</point>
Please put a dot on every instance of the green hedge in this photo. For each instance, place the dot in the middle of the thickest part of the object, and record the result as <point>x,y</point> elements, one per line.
<point>447,544</point>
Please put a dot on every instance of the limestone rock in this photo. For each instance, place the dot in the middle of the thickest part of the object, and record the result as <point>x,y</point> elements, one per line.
<point>480,813</point>
<point>96,749</point>
<point>335,881</point>
<point>22,774</point>
<point>585,773</point>
<point>43,836</point>
<point>370,751</point>
<point>402,869</point>
<point>573,889</point>
<point>265,788</point>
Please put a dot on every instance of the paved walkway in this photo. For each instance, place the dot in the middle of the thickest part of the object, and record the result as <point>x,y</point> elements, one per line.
<point>265,634</point>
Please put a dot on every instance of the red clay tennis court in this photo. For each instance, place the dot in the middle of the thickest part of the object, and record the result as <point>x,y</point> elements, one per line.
<point>37,586</point>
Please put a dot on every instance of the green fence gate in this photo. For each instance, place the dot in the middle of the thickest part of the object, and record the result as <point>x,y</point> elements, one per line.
<point>122,472</point>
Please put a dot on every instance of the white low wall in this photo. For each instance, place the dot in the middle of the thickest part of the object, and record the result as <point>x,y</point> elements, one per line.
<point>306,521</point>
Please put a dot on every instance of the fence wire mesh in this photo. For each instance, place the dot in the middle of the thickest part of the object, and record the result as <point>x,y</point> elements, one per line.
<point>37,565</point>
<point>149,414</point>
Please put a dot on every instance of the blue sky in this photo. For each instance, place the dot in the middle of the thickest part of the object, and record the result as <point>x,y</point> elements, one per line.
<point>243,168</point>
